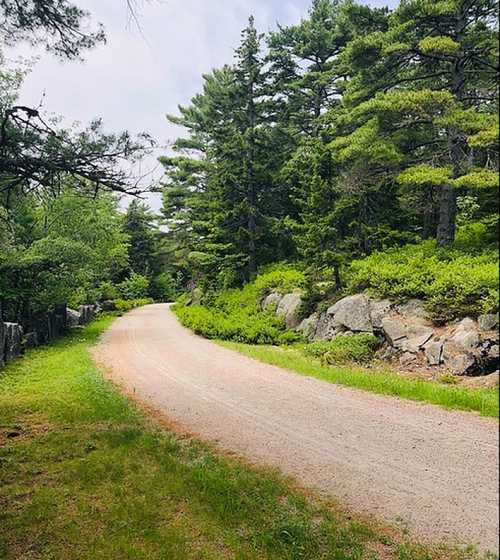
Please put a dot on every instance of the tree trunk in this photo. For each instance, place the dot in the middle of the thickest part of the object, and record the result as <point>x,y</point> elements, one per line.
<point>251,188</point>
<point>430,214</point>
<point>447,216</point>
<point>456,145</point>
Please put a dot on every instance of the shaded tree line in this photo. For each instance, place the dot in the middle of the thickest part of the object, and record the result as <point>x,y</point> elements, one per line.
<point>63,235</point>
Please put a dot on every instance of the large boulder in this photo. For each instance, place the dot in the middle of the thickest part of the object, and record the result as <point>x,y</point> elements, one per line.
<point>272,301</point>
<point>108,305</point>
<point>327,328</point>
<point>289,309</point>
<point>73,318</point>
<point>434,352</point>
<point>379,309</point>
<point>395,331</point>
<point>86,314</point>
<point>459,361</point>
<point>309,326</point>
<point>417,338</point>
<point>353,313</point>
<point>13,341</point>
<point>414,310</point>
<point>468,340</point>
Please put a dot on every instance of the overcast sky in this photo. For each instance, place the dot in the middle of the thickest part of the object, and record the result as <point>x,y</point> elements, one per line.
<point>133,81</point>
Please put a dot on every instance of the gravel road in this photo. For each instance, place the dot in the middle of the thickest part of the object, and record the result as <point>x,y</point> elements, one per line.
<point>434,470</point>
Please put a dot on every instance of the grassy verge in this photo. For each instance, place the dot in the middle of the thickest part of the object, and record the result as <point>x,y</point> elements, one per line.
<point>484,401</point>
<point>85,475</point>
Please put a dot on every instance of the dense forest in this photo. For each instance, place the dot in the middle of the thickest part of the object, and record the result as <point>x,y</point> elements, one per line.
<point>356,130</point>
<point>359,145</point>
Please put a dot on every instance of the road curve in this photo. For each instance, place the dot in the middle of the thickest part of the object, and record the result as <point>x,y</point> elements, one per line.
<point>435,470</point>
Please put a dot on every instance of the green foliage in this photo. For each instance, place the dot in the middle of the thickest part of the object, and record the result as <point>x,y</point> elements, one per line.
<point>358,348</point>
<point>134,287</point>
<point>164,288</point>
<point>237,315</point>
<point>453,283</point>
<point>125,305</point>
<point>255,328</point>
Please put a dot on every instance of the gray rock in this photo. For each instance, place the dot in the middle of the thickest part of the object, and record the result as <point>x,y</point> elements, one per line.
<point>86,314</point>
<point>395,330</point>
<point>13,341</point>
<point>109,305</point>
<point>460,362</point>
<point>327,328</point>
<point>379,309</point>
<point>309,325</point>
<point>31,340</point>
<point>272,301</point>
<point>416,343</point>
<point>466,339</point>
<point>353,313</point>
<point>488,322</point>
<point>434,353</point>
<point>413,309</point>
<point>3,334</point>
<point>73,318</point>
<point>466,324</point>
<point>407,358</point>
<point>289,308</point>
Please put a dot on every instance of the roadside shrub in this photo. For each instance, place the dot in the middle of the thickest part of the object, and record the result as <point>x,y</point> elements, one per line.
<point>261,328</point>
<point>358,348</point>
<point>108,292</point>
<point>453,283</point>
<point>237,315</point>
<point>125,305</point>
<point>164,288</point>
<point>135,287</point>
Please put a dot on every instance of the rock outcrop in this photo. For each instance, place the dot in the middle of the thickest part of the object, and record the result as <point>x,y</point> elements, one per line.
<point>467,348</point>
<point>272,301</point>
<point>353,313</point>
<point>289,308</point>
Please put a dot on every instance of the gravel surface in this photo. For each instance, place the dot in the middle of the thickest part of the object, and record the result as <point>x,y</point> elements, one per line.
<point>433,470</point>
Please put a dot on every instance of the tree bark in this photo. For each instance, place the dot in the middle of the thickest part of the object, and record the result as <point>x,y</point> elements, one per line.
<point>447,216</point>
<point>456,145</point>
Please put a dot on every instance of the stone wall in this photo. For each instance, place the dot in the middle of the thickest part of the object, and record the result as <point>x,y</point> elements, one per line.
<point>41,328</point>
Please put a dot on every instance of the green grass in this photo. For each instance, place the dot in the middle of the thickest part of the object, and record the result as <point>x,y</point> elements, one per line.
<point>484,401</point>
<point>86,475</point>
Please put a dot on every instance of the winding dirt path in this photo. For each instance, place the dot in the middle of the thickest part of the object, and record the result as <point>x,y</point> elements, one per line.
<point>434,470</point>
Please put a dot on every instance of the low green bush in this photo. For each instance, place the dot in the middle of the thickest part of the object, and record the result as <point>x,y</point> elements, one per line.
<point>125,305</point>
<point>258,328</point>
<point>453,282</point>
<point>237,315</point>
<point>359,348</point>
<point>134,287</point>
